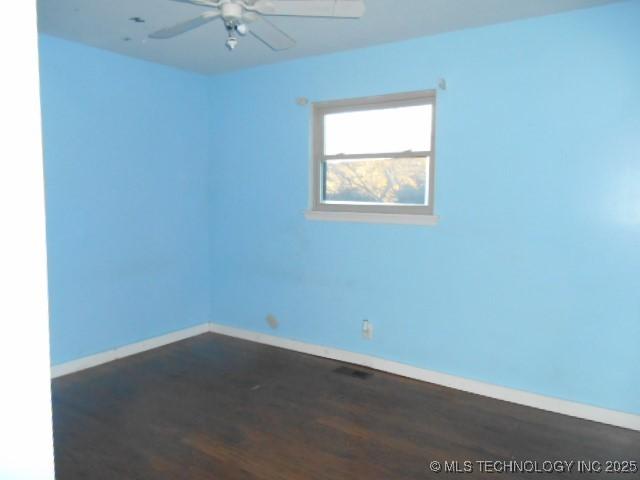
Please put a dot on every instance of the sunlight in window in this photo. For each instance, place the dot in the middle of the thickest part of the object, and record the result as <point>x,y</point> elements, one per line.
<point>386,130</point>
<point>399,181</point>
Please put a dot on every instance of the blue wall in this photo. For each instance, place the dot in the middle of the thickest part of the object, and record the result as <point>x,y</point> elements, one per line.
<point>529,281</point>
<point>126,160</point>
<point>532,278</point>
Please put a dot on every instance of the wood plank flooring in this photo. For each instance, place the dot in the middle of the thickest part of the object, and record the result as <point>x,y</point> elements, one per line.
<point>216,408</point>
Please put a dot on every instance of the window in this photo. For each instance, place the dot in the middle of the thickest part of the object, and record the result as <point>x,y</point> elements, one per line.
<point>373,159</point>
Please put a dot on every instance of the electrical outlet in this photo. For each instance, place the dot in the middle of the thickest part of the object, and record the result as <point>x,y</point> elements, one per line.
<point>367,330</point>
<point>272,321</point>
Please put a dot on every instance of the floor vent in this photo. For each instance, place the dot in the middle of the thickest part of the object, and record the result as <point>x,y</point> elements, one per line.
<point>352,372</point>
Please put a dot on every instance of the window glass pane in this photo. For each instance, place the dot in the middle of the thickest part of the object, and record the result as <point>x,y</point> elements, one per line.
<point>393,181</point>
<point>386,130</point>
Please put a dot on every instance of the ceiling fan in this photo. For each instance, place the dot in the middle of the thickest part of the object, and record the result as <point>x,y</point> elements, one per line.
<point>237,14</point>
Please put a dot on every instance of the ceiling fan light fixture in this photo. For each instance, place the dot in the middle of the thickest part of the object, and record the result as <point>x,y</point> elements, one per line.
<point>232,39</point>
<point>231,43</point>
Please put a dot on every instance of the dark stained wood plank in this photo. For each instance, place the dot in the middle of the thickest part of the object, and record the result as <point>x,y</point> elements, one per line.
<point>213,407</point>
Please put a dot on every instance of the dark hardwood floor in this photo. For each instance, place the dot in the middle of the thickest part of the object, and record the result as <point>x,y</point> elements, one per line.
<point>212,407</point>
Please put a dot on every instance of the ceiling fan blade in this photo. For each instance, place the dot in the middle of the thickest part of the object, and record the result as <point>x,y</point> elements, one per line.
<point>270,35</point>
<point>202,3</point>
<point>183,27</point>
<point>249,17</point>
<point>311,8</point>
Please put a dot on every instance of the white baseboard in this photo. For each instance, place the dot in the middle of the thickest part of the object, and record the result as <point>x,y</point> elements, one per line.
<point>131,349</point>
<point>556,405</point>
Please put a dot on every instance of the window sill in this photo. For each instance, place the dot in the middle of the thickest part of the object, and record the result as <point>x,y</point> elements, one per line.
<point>358,217</point>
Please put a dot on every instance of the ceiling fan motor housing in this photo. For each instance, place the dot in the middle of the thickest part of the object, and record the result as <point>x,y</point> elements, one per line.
<point>231,13</point>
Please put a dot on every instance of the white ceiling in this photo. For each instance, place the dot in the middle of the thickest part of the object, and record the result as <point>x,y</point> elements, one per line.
<point>106,24</point>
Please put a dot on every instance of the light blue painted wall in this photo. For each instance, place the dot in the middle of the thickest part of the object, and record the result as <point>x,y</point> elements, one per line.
<point>126,159</point>
<point>532,278</point>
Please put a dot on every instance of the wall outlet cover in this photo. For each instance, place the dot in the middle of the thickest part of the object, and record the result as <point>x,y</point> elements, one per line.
<point>367,330</point>
<point>272,321</point>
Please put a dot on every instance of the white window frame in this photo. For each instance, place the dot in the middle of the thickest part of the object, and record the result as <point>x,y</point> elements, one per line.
<point>412,214</point>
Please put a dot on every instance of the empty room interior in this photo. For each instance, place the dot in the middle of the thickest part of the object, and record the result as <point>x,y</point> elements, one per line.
<point>342,239</point>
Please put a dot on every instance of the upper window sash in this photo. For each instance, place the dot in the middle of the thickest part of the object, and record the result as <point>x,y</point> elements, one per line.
<point>376,103</point>
<point>332,143</point>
